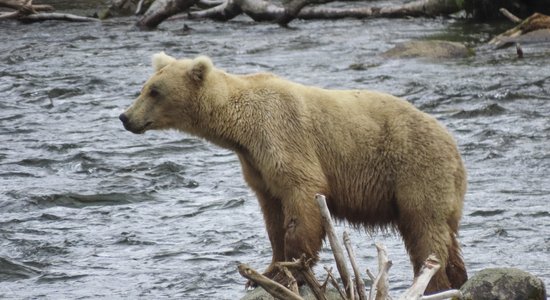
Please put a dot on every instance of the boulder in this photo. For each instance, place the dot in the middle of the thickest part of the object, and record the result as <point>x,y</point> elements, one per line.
<point>433,49</point>
<point>504,284</point>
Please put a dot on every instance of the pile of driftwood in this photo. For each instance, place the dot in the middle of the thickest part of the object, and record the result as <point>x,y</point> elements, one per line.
<point>353,288</point>
<point>26,11</point>
<point>268,11</point>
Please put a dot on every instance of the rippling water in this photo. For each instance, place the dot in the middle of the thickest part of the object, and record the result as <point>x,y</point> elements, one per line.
<point>88,210</point>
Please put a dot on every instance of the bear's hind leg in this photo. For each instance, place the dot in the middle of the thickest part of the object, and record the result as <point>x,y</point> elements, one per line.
<point>456,271</point>
<point>425,237</point>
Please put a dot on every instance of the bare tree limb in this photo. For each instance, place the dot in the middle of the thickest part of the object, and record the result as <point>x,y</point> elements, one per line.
<point>509,15</point>
<point>358,278</point>
<point>335,283</point>
<point>27,12</point>
<point>303,266</point>
<point>445,295</point>
<point>270,286</point>
<point>430,267</point>
<point>334,244</point>
<point>380,286</point>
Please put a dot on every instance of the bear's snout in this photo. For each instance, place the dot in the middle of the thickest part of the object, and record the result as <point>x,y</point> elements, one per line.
<point>126,123</point>
<point>133,126</point>
<point>123,118</point>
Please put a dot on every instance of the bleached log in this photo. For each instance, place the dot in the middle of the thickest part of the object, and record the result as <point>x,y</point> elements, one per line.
<point>25,5</point>
<point>261,10</point>
<point>334,243</point>
<point>274,288</point>
<point>160,10</point>
<point>380,286</point>
<point>358,278</point>
<point>27,12</point>
<point>450,294</point>
<point>510,15</point>
<point>55,16</point>
<point>421,281</point>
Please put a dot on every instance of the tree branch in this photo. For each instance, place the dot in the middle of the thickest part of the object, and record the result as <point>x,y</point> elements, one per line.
<point>274,288</point>
<point>334,244</point>
<point>358,278</point>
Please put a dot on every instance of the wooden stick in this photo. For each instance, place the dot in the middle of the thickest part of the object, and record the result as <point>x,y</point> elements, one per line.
<point>510,15</point>
<point>335,283</point>
<point>303,266</point>
<point>334,244</point>
<point>274,288</point>
<point>371,276</point>
<point>430,267</point>
<point>352,288</point>
<point>444,295</point>
<point>358,278</point>
<point>380,286</point>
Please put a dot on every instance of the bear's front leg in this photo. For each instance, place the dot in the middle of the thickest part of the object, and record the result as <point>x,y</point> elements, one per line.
<point>304,231</point>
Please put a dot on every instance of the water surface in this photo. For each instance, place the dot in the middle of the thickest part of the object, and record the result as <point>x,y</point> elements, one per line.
<point>90,211</point>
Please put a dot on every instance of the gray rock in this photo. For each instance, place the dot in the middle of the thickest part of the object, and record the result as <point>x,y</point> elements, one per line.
<point>433,49</point>
<point>504,284</point>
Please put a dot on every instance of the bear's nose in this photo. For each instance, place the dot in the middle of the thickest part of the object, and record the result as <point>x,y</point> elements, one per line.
<point>123,118</point>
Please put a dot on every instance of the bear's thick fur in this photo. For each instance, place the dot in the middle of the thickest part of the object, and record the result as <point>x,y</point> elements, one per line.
<point>380,161</point>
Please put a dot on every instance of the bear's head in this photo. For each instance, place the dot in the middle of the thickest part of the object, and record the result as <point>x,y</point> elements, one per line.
<point>173,98</point>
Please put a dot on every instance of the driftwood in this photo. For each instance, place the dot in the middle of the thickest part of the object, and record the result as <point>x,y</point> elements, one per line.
<point>27,12</point>
<point>261,10</point>
<point>535,28</point>
<point>358,278</point>
<point>272,287</point>
<point>266,11</point>
<point>334,244</point>
<point>160,10</point>
<point>380,286</point>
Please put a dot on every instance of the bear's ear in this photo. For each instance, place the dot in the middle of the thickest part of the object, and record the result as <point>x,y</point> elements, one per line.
<point>201,66</point>
<point>161,60</point>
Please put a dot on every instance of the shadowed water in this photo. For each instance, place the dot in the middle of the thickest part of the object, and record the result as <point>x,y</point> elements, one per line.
<point>89,210</point>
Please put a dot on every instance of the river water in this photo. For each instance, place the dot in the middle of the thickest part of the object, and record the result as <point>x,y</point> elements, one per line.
<point>91,211</point>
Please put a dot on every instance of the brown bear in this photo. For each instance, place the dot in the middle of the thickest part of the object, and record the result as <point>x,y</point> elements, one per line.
<point>380,161</point>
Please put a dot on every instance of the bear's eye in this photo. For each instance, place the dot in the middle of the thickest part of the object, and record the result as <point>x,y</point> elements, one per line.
<point>153,92</point>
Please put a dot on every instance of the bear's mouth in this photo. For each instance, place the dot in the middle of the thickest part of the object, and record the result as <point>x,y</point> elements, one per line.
<point>139,130</point>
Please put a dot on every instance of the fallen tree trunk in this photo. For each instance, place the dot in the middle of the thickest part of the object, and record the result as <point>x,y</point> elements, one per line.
<point>265,11</point>
<point>261,10</point>
<point>160,10</point>
<point>27,12</point>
